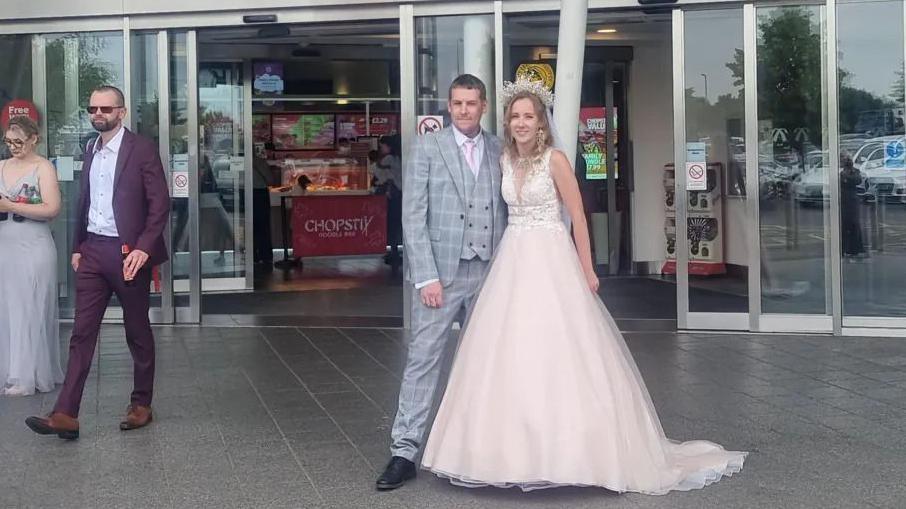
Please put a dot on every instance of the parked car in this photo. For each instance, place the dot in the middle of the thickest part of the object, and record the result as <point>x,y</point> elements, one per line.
<point>879,181</point>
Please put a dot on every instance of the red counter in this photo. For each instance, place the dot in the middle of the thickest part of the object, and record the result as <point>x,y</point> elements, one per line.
<point>336,225</point>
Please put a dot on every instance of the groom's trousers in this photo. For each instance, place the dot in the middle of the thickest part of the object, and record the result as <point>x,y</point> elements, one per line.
<point>100,276</point>
<point>429,334</point>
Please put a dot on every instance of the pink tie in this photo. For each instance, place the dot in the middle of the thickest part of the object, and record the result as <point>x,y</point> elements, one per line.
<point>469,145</point>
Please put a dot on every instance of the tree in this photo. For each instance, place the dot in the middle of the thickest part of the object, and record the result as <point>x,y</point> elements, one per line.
<point>64,121</point>
<point>789,72</point>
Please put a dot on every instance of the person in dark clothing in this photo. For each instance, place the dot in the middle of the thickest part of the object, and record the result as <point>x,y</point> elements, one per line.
<point>851,224</point>
<point>391,162</point>
<point>261,201</point>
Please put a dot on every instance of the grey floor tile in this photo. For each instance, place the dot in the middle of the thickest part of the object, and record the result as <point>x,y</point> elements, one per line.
<point>285,417</point>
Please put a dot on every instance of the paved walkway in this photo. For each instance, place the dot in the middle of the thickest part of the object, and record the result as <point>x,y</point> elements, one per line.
<point>300,417</point>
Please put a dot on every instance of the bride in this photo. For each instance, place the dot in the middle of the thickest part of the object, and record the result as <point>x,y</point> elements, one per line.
<point>543,391</point>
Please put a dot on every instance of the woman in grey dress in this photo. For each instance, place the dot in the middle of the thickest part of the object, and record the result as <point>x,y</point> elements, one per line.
<point>29,331</point>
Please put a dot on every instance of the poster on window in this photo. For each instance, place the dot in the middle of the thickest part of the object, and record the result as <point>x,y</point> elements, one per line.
<point>219,134</point>
<point>268,78</point>
<point>339,225</point>
<point>593,141</point>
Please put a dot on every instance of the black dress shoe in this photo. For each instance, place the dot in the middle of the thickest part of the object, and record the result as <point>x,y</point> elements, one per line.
<point>398,471</point>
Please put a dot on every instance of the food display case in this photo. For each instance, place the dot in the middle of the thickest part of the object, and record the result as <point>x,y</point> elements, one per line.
<point>338,174</point>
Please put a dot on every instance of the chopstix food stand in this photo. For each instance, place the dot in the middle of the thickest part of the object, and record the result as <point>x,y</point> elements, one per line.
<point>323,161</point>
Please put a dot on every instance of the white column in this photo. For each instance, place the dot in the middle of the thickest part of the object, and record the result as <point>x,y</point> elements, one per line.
<point>478,59</point>
<point>570,57</point>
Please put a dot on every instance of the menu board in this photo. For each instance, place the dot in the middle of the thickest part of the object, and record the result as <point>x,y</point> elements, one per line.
<point>383,124</point>
<point>353,125</point>
<point>261,128</point>
<point>303,131</point>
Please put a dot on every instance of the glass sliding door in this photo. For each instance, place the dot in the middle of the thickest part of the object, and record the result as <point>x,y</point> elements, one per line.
<point>158,108</point>
<point>222,176</point>
<point>75,64</point>
<point>793,176</point>
<point>872,175</point>
<point>716,222</point>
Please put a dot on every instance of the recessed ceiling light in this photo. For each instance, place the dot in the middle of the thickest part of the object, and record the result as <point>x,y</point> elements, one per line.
<point>607,31</point>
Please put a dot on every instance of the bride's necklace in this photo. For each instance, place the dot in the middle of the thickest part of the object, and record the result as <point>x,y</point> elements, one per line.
<point>528,164</point>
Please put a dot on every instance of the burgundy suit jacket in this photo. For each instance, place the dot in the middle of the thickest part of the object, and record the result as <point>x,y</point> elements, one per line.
<point>141,198</point>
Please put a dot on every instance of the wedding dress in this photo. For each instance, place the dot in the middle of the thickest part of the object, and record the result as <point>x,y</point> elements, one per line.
<point>543,391</point>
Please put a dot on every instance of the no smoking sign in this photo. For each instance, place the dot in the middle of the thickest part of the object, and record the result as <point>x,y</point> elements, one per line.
<point>696,177</point>
<point>180,184</point>
<point>429,124</point>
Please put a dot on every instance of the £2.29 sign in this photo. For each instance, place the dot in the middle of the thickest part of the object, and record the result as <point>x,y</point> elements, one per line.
<point>339,225</point>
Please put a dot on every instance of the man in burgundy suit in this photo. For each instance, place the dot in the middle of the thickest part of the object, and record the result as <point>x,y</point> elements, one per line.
<point>124,206</point>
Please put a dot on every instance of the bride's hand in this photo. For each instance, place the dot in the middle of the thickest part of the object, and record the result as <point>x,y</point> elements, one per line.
<point>593,281</point>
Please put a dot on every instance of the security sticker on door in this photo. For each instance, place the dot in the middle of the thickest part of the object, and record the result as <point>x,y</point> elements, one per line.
<point>696,177</point>
<point>895,155</point>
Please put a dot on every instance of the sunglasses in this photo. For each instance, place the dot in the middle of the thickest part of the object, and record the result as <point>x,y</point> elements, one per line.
<point>14,143</point>
<point>102,109</point>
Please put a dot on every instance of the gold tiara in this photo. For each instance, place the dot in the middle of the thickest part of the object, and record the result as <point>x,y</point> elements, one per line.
<point>523,84</point>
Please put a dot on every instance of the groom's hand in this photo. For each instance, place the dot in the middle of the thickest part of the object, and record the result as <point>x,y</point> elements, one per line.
<point>433,295</point>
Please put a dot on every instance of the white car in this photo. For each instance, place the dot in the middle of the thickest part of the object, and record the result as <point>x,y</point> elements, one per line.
<point>810,187</point>
<point>880,182</point>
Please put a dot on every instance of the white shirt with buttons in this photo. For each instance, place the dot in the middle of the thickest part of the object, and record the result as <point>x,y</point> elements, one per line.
<point>103,170</point>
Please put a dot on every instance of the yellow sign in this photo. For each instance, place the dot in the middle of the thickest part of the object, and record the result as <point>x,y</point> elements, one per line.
<point>537,72</point>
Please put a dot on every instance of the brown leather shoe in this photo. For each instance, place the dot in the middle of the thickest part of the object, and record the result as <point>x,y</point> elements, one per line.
<point>57,424</point>
<point>137,416</point>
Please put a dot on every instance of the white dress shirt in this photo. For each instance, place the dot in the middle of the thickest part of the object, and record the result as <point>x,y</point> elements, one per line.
<point>478,154</point>
<point>103,171</point>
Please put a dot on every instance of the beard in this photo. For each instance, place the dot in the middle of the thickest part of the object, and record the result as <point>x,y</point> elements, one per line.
<point>103,125</point>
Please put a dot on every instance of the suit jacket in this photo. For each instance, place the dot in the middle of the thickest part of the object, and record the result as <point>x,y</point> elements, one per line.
<point>434,204</point>
<point>141,198</point>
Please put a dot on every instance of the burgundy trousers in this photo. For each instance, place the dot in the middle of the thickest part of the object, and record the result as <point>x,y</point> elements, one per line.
<point>100,275</point>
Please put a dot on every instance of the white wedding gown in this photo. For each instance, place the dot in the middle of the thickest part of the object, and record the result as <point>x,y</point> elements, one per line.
<point>544,391</point>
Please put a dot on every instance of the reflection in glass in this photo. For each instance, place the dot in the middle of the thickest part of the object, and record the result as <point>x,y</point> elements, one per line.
<point>447,47</point>
<point>76,64</point>
<point>143,108</point>
<point>792,163</point>
<point>179,157</point>
<point>872,173</point>
<point>15,73</point>
<point>221,171</point>
<point>715,118</point>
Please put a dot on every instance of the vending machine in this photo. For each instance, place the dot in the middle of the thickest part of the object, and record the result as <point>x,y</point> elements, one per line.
<point>704,224</point>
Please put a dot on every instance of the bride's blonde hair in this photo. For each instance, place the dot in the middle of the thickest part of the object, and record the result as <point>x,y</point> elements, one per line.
<point>544,141</point>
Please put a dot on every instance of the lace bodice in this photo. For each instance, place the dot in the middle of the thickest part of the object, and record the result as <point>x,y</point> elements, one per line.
<point>530,194</point>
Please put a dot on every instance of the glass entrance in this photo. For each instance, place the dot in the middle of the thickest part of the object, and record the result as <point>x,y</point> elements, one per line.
<point>715,197</point>
<point>872,175</point>
<point>158,93</point>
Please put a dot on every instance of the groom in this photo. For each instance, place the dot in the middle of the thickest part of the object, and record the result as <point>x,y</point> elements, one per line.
<point>453,218</point>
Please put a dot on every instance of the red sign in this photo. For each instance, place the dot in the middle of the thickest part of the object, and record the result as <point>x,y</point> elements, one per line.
<point>18,108</point>
<point>339,225</point>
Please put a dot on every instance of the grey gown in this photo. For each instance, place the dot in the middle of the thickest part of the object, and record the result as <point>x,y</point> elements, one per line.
<point>29,330</point>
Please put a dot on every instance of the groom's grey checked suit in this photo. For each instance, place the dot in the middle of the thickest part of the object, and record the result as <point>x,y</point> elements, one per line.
<point>452,222</point>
